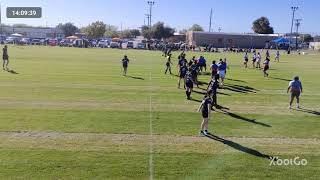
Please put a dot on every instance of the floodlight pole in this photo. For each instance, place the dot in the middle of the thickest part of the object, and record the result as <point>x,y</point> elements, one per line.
<point>210,23</point>
<point>298,23</point>
<point>150,3</point>
<point>293,8</point>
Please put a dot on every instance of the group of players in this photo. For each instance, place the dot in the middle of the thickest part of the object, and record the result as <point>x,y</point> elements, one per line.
<point>256,61</point>
<point>189,71</point>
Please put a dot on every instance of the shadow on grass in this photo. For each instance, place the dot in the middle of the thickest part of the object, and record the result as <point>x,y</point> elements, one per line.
<point>239,88</point>
<point>195,100</point>
<point>308,111</point>
<point>282,79</point>
<point>198,92</point>
<point>205,73</point>
<point>134,77</point>
<point>12,71</point>
<point>202,83</point>
<point>239,147</point>
<point>236,116</point>
<point>236,80</point>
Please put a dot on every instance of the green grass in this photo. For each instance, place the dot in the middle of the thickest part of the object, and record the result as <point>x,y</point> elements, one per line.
<point>70,114</point>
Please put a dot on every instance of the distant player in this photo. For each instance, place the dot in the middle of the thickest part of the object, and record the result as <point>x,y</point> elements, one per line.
<point>182,74</point>
<point>246,59</point>
<point>5,58</point>
<point>214,69</point>
<point>267,54</point>
<point>202,63</point>
<point>266,67</point>
<point>125,62</point>
<point>205,108</point>
<point>277,57</point>
<point>295,88</point>
<point>168,64</point>
<point>189,84</point>
<point>222,67</point>
<point>254,59</point>
<point>258,60</point>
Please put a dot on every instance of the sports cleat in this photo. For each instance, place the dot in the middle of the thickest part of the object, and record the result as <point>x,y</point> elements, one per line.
<point>201,133</point>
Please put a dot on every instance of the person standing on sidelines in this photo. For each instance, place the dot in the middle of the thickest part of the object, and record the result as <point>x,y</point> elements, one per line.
<point>277,58</point>
<point>205,108</point>
<point>258,60</point>
<point>295,88</point>
<point>168,64</point>
<point>5,58</point>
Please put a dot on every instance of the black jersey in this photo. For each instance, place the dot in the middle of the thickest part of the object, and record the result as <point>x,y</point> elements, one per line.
<point>206,103</point>
<point>125,62</point>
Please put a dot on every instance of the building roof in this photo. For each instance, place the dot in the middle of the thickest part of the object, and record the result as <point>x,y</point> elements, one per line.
<point>234,34</point>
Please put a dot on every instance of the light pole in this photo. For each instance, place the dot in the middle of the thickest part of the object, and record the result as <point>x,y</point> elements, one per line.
<point>298,23</point>
<point>210,23</point>
<point>148,17</point>
<point>219,29</point>
<point>293,8</point>
<point>150,3</point>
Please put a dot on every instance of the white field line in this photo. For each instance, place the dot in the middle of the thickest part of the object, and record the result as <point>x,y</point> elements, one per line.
<point>150,128</point>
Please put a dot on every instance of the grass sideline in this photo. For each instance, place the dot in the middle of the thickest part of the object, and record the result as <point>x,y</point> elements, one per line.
<point>69,113</point>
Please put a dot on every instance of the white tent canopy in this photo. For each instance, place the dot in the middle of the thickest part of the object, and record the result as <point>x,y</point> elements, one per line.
<point>17,35</point>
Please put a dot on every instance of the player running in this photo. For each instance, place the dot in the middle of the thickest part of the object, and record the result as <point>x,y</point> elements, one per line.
<point>254,59</point>
<point>168,64</point>
<point>246,59</point>
<point>125,62</point>
<point>214,69</point>
<point>258,60</point>
<point>182,74</point>
<point>266,67</point>
<point>295,88</point>
<point>213,87</point>
<point>205,108</point>
<point>222,67</point>
<point>189,84</point>
<point>277,57</point>
<point>5,58</point>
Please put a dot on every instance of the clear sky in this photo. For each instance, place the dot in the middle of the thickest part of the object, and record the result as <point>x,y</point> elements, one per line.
<point>230,15</point>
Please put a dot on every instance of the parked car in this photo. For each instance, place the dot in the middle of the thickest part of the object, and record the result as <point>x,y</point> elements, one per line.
<point>35,42</point>
<point>53,42</point>
<point>25,41</point>
<point>103,43</point>
<point>10,40</point>
<point>130,44</point>
<point>65,43</point>
<point>114,45</point>
<point>141,45</point>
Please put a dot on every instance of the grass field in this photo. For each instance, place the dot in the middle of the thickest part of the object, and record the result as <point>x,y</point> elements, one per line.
<point>70,114</point>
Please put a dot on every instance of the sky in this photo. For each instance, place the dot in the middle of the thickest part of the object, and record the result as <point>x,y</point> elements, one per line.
<point>230,15</point>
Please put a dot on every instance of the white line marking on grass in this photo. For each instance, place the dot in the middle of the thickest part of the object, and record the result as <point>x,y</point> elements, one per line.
<point>150,128</point>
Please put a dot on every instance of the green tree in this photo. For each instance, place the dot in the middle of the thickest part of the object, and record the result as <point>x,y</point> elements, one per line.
<point>111,31</point>
<point>126,34</point>
<point>68,28</point>
<point>160,31</point>
<point>307,38</point>
<point>95,30</point>
<point>146,32</point>
<point>196,27</point>
<point>262,26</point>
<point>135,32</point>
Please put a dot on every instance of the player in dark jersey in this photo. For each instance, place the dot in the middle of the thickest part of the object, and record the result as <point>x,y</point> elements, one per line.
<point>168,64</point>
<point>189,84</point>
<point>266,67</point>
<point>205,108</point>
<point>246,59</point>
<point>213,86</point>
<point>194,69</point>
<point>125,62</point>
<point>5,58</point>
<point>182,74</point>
<point>214,69</point>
